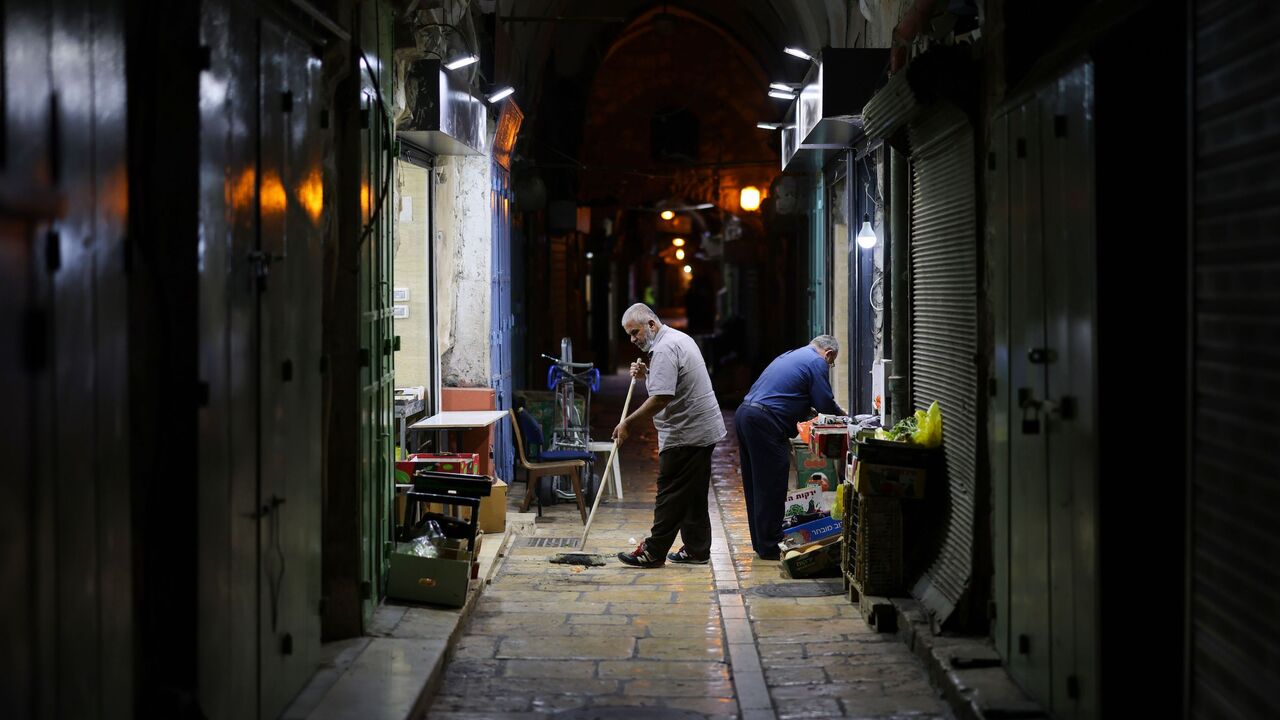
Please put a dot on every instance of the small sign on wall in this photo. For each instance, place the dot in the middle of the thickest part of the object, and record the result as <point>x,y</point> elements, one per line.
<point>399,312</point>
<point>400,294</point>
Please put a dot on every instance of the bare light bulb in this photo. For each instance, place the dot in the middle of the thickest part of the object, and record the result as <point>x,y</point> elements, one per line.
<point>866,235</point>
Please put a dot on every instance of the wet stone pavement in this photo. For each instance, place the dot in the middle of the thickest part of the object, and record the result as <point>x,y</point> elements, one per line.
<point>673,642</point>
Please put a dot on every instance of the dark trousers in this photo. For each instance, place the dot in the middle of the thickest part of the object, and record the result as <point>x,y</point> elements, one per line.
<point>684,476</point>
<point>765,452</point>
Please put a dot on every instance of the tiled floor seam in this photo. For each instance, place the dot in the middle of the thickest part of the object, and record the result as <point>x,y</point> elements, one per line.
<point>750,688</point>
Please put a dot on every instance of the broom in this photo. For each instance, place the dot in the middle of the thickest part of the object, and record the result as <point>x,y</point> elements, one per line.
<point>590,559</point>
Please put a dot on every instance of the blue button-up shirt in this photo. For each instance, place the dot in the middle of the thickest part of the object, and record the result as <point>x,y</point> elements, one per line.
<point>794,382</point>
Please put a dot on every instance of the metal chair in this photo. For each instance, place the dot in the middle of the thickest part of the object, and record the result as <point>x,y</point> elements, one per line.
<point>575,468</point>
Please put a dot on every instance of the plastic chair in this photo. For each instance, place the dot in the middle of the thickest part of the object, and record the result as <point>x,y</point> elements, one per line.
<point>574,467</point>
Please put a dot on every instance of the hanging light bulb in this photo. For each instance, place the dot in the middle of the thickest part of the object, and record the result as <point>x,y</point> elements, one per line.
<point>679,253</point>
<point>866,235</point>
<point>688,270</point>
<point>678,242</point>
<point>667,214</point>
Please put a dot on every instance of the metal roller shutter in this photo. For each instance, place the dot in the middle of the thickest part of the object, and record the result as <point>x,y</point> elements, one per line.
<point>1235,503</point>
<point>944,331</point>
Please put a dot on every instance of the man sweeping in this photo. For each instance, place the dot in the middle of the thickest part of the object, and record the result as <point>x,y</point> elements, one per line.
<point>685,412</point>
<point>794,385</point>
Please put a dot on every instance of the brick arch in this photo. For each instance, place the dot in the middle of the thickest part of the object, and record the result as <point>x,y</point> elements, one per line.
<point>696,64</point>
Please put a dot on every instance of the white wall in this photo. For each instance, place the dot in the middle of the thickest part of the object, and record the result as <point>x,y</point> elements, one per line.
<point>413,360</point>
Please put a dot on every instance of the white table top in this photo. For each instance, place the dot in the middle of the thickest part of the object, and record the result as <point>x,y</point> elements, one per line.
<point>600,446</point>
<point>460,420</point>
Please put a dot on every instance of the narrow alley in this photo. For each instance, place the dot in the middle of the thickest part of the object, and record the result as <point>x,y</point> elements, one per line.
<point>953,329</point>
<point>734,638</point>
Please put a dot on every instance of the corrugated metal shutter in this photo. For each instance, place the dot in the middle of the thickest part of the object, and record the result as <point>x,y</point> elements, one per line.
<point>944,331</point>
<point>1235,584</point>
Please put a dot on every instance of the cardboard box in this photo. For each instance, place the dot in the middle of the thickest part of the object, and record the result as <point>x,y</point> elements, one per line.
<point>813,469</point>
<point>819,558</point>
<point>889,481</point>
<point>804,501</point>
<point>810,532</point>
<point>442,580</point>
<point>493,509</point>
<point>466,463</point>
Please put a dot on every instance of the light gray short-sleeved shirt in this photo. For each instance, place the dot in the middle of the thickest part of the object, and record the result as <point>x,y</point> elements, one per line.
<point>676,368</point>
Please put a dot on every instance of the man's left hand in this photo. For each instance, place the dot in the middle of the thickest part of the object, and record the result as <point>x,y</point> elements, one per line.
<point>620,432</point>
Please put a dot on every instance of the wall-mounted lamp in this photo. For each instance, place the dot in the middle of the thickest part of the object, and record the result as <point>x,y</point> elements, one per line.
<point>749,198</point>
<point>788,87</point>
<point>782,94</point>
<point>500,94</point>
<point>866,235</point>
<point>461,62</point>
<point>774,126</point>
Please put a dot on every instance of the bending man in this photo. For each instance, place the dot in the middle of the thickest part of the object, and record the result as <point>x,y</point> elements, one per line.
<point>684,410</point>
<point>794,384</point>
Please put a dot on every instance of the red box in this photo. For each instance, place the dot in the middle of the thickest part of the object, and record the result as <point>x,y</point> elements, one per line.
<point>436,462</point>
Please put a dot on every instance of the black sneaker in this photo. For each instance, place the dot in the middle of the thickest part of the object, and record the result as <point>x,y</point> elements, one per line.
<point>640,558</point>
<point>684,558</point>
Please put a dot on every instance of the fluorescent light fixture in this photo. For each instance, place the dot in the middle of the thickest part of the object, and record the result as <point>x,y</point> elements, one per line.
<point>782,94</point>
<point>703,206</point>
<point>866,236</point>
<point>463,61</point>
<point>667,215</point>
<point>774,126</point>
<point>500,94</point>
<point>783,86</point>
<point>800,53</point>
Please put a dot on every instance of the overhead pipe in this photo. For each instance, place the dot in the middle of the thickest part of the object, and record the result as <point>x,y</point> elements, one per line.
<point>899,295</point>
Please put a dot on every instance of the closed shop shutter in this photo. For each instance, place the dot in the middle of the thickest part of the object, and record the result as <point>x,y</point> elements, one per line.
<point>1235,504</point>
<point>944,332</point>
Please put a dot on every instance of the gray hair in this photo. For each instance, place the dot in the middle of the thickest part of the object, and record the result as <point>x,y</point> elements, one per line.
<point>825,342</point>
<point>640,313</point>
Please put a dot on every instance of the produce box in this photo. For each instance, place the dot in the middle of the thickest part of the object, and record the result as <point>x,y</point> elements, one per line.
<point>810,532</point>
<point>805,501</point>
<point>465,463</point>
<point>814,469</point>
<point>821,558</point>
<point>892,469</point>
<point>878,557</point>
<point>441,580</point>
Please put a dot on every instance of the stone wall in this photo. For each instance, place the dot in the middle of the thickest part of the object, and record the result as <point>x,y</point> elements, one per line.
<point>464,247</point>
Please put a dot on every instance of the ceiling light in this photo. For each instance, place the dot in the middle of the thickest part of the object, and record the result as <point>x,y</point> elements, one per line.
<point>783,86</point>
<point>782,94</point>
<point>800,53</point>
<point>866,235</point>
<point>704,206</point>
<point>500,94</point>
<point>461,62</point>
<point>767,126</point>
<point>749,198</point>
<point>679,253</point>
<point>678,242</point>
<point>667,215</point>
<point>687,269</point>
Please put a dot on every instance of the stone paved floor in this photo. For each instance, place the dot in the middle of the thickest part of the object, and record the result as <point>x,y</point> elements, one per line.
<point>674,642</point>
